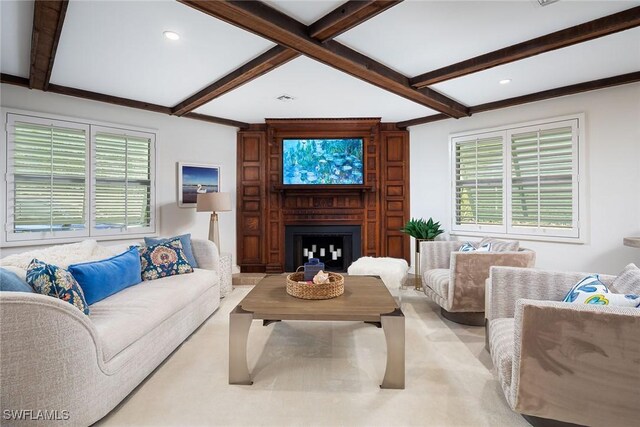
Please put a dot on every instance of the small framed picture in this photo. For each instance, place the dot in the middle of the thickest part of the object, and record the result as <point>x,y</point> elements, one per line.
<point>194,179</point>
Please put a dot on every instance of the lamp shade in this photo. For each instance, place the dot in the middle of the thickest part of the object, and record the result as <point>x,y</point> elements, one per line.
<point>213,202</point>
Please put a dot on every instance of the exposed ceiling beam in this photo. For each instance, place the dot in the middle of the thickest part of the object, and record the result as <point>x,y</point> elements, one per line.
<point>621,21</point>
<point>421,120</point>
<point>331,25</point>
<point>48,17</point>
<point>260,19</point>
<point>116,100</point>
<point>533,97</point>
<point>347,16</point>
<point>271,59</point>
<point>561,91</point>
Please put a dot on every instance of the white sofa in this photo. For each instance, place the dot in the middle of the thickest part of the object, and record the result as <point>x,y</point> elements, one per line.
<point>56,358</point>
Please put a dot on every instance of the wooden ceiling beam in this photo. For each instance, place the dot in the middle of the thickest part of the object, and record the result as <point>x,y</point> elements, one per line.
<point>347,16</point>
<point>557,92</point>
<point>621,21</point>
<point>116,100</point>
<point>260,19</point>
<point>48,18</point>
<point>533,97</point>
<point>331,25</point>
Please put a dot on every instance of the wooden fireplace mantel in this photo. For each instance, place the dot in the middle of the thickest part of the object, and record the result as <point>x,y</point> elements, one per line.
<point>265,206</point>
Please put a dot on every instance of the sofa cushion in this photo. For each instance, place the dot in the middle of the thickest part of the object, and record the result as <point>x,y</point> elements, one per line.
<point>185,240</point>
<point>438,280</point>
<point>501,245</point>
<point>10,281</point>
<point>163,259</point>
<point>125,317</point>
<point>502,344</point>
<point>99,279</point>
<point>56,282</point>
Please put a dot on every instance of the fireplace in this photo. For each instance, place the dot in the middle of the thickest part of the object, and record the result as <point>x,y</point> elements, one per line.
<point>337,246</point>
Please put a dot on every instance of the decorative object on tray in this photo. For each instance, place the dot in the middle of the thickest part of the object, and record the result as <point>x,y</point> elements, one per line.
<point>312,268</point>
<point>194,179</point>
<point>421,230</point>
<point>325,285</point>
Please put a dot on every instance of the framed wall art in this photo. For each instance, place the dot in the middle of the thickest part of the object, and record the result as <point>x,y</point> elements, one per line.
<point>196,178</point>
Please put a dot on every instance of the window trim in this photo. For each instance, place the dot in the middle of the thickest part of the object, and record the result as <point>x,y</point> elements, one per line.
<point>7,174</point>
<point>580,198</point>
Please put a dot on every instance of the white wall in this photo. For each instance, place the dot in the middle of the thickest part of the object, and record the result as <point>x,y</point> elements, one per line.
<point>612,172</point>
<point>178,139</point>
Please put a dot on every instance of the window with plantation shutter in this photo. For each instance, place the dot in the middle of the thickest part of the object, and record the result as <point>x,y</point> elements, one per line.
<point>67,179</point>
<point>522,180</point>
<point>46,185</point>
<point>479,182</point>
<point>123,193</point>
<point>543,164</point>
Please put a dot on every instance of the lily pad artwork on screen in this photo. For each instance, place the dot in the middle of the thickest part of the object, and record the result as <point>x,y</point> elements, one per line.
<point>322,161</point>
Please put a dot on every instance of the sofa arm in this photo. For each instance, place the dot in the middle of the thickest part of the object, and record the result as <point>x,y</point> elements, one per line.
<point>206,254</point>
<point>437,254</point>
<point>567,355</point>
<point>510,284</point>
<point>470,271</point>
<point>51,355</point>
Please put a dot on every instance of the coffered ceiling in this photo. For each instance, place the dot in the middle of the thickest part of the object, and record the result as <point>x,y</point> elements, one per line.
<point>114,51</point>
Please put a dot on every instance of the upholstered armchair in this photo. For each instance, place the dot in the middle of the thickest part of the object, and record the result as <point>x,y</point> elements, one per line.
<point>456,280</point>
<point>575,363</point>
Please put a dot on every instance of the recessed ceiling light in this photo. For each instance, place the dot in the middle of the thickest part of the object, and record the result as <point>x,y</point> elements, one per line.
<point>285,98</point>
<point>546,2</point>
<point>171,35</point>
<point>505,81</point>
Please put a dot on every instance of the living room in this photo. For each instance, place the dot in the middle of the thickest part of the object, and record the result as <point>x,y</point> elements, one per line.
<point>440,110</point>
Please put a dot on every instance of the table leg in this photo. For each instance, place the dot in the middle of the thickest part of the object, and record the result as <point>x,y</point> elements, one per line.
<point>393,327</point>
<point>239,324</point>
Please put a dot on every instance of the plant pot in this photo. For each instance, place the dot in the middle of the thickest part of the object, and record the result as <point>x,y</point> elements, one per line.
<point>416,265</point>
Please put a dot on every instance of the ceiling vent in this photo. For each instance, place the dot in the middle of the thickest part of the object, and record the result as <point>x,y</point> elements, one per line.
<point>285,98</point>
<point>546,2</point>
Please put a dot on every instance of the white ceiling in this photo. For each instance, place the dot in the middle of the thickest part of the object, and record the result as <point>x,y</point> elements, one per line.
<point>414,37</point>
<point>583,62</point>
<point>117,48</point>
<point>15,36</point>
<point>305,11</point>
<point>319,91</point>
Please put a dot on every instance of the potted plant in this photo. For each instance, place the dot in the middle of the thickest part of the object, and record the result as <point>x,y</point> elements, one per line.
<point>421,230</point>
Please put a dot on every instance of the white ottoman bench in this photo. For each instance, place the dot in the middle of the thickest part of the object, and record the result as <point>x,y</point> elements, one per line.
<point>392,271</point>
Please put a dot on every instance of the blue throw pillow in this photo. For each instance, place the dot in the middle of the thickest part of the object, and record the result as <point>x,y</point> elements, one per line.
<point>9,281</point>
<point>100,279</point>
<point>163,259</point>
<point>185,240</point>
<point>49,279</point>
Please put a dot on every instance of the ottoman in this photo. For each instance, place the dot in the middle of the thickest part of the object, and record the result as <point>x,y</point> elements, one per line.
<point>392,271</point>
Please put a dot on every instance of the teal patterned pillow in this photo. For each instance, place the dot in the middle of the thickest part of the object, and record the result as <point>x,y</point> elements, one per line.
<point>163,260</point>
<point>57,282</point>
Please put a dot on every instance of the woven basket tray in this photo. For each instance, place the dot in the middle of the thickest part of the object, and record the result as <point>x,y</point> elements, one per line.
<point>333,289</point>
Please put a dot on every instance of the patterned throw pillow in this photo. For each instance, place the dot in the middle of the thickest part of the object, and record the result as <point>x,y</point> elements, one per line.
<point>163,260</point>
<point>57,282</point>
<point>628,281</point>
<point>471,247</point>
<point>591,290</point>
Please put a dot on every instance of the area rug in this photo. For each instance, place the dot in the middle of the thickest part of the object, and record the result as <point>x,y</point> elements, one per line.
<point>323,374</point>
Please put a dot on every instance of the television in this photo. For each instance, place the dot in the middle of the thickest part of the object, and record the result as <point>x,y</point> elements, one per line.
<point>322,161</point>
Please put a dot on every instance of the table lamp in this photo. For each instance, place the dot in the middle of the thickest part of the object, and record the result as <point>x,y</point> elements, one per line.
<point>214,202</point>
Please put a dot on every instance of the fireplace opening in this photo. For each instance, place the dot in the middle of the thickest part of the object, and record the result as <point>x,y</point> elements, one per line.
<point>337,246</point>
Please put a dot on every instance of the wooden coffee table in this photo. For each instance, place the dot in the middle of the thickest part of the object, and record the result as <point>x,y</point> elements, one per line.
<point>365,298</point>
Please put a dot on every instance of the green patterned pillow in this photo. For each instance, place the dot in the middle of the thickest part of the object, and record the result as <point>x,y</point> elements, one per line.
<point>163,260</point>
<point>49,279</point>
